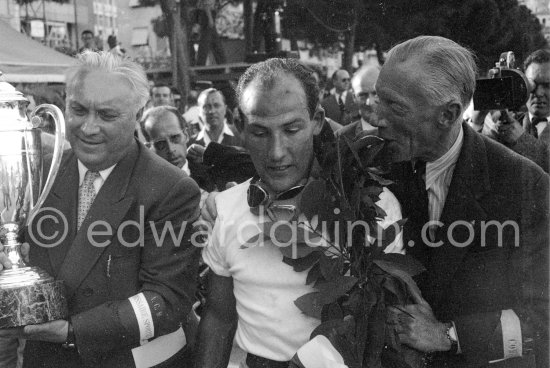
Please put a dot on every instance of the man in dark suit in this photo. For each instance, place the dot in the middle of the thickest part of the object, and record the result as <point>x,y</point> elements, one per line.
<point>529,135</point>
<point>130,285</point>
<point>363,83</point>
<point>478,219</point>
<point>339,106</point>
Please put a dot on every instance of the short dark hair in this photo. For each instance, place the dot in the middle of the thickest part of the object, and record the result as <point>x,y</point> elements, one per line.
<point>161,85</point>
<point>539,56</point>
<point>157,113</point>
<point>86,31</point>
<point>269,71</point>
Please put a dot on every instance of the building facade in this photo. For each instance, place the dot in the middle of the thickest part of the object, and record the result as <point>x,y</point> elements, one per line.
<point>59,25</point>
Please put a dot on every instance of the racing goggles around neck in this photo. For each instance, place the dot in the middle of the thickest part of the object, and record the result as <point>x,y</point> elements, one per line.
<point>257,196</point>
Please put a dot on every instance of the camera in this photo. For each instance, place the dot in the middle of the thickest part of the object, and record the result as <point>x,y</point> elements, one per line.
<point>505,88</point>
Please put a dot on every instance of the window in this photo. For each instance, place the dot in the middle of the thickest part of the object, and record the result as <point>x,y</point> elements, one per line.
<point>140,36</point>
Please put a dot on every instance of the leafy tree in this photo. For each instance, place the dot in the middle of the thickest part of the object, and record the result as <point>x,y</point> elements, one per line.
<point>488,27</point>
<point>22,2</point>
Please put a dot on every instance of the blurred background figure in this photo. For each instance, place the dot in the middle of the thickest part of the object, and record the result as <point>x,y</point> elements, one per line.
<point>363,83</point>
<point>204,27</point>
<point>88,41</point>
<point>114,46</point>
<point>339,106</point>
<point>192,114</point>
<point>161,95</point>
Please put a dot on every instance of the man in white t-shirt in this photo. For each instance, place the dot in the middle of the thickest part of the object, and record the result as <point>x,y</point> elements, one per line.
<point>251,290</point>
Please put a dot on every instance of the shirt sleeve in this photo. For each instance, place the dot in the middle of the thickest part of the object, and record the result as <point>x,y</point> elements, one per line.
<point>214,254</point>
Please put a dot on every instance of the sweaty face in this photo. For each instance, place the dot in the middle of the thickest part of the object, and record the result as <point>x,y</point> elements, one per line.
<point>162,96</point>
<point>101,115</point>
<point>167,138</point>
<point>539,79</point>
<point>213,109</point>
<point>406,116</point>
<point>341,81</point>
<point>279,132</point>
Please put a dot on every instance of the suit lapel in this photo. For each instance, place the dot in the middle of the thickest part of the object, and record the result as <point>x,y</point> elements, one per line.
<point>110,206</point>
<point>64,198</point>
<point>462,214</point>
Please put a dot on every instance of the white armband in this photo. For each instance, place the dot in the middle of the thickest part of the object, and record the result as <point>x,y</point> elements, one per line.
<point>511,334</point>
<point>143,315</point>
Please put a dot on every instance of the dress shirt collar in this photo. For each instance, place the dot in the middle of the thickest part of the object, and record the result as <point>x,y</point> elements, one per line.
<point>203,134</point>
<point>343,95</point>
<point>446,162</point>
<point>531,116</point>
<point>103,173</point>
<point>185,168</point>
<point>540,126</point>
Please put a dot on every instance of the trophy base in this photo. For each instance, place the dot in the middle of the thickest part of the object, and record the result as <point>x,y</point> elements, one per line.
<point>31,303</point>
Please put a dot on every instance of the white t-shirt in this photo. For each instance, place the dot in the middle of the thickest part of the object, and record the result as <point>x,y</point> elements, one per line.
<point>265,288</point>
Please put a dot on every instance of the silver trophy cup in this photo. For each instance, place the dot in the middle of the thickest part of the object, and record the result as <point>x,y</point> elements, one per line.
<point>28,295</point>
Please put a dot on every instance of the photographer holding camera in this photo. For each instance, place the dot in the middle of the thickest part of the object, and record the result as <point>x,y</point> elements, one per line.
<point>526,133</point>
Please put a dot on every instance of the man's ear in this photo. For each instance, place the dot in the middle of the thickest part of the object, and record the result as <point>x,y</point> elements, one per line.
<point>450,113</point>
<point>318,119</point>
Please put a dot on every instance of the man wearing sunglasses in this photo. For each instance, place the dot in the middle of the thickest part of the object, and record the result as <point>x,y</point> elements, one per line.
<point>278,99</point>
<point>339,106</point>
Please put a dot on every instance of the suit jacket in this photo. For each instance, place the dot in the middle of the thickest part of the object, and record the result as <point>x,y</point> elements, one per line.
<point>536,149</point>
<point>332,109</point>
<point>142,195</point>
<point>472,281</point>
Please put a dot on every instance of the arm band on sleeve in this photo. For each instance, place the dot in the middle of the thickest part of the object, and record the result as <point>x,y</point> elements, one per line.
<point>511,334</point>
<point>143,315</point>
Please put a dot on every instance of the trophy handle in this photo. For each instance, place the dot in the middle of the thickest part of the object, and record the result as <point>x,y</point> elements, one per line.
<point>57,116</point>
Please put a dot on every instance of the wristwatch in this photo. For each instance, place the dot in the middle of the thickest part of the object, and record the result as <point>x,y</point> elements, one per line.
<point>452,336</point>
<point>70,343</point>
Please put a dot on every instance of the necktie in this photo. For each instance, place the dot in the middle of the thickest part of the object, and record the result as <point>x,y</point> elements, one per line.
<point>341,103</point>
<point>534,123</point>
<point>410,189</point>
<point>86,195</point>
